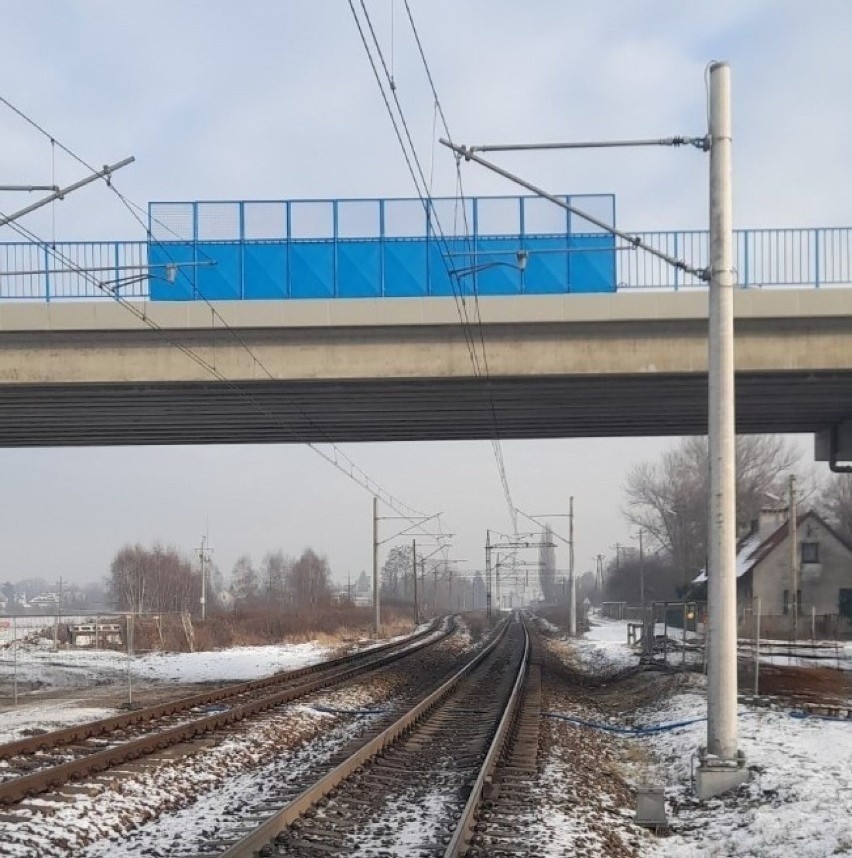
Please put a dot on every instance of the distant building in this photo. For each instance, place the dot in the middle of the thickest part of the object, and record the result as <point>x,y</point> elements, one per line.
<point>46,600</point>
<point>823,573</point>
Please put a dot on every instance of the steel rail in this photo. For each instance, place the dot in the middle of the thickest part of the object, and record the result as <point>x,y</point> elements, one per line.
<point>91,729</point>
<point>20,787</point>
<point>262,835</point>
<point>464,829</point>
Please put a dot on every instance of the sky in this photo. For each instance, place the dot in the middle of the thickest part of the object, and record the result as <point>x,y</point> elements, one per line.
<point>276,100</point>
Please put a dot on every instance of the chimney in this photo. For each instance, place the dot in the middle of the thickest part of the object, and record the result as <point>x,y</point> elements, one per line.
<point>771,518</point>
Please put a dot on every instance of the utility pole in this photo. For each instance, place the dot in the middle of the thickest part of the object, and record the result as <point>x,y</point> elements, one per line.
<point>349,587</point>
<point>713,778</point>
<point>204,553</point>
<point>435,582</point>
<point>572,582</point>
<point>450,590</point>
<point>414,571</point>
<point>423,574</point>
<point>794,559</point>
<point>641,568</point>
<point>497,593</point>
<point>488,575</point>
<point>377,611</point>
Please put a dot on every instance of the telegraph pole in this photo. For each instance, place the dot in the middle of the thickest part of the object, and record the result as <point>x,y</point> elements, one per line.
<point>572,582</point>
<point>423,574</point>
<point>377,611</point>
<point>204,553</point>
<point>488,575</point>
<point>713,778</point>
<point>641,568</point>
<point>414,571</point>
<point>794,559</point>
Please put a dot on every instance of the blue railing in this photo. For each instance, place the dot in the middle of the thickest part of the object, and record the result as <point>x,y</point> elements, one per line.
<point>795,257</point>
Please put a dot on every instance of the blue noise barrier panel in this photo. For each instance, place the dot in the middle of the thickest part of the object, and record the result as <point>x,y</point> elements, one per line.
<point>321,249</point>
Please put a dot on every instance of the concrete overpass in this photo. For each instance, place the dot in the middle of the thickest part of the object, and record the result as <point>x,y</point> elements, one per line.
<point>89,373</point>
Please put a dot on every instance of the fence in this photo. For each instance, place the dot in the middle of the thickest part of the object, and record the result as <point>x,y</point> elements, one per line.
<point>394,263</point>
<point>826,627</point>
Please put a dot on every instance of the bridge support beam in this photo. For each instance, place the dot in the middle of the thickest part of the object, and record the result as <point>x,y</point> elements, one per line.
<point>834,445</point>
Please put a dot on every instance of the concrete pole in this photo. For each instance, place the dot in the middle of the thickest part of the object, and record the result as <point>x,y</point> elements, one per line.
<point>572,581</point>
<point>377,611</point>
<point>757,650</point>
<point>414,571</point>
<point>423,577</point>
<point>794,559</point>
<point>15,651</point>
<point>488,575</point>
<point>203,581</point>
<point>722,592</point>
<point>497,593</point>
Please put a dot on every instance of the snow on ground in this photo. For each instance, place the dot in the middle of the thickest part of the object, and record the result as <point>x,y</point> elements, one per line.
<point>75,670</point>
<point>799,801</point>
<point>38,663</point>
<point>16,723</point>
<point>604,649</point>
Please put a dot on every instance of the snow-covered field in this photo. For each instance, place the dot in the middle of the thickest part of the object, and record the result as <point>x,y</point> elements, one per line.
<point>76,671</point>
<point>798,802</point>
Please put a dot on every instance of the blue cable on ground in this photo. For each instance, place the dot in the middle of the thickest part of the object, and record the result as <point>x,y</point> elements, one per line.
<point>801,715</point>
<point>626,731</point>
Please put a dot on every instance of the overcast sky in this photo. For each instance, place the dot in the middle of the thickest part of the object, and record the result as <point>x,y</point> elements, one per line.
<point>276,100</point>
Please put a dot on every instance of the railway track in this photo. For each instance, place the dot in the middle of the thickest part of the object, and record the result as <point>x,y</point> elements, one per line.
<point>415,788</point>
<point>39,763</point>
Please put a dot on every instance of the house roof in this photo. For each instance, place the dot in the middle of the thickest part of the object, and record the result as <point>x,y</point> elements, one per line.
<point>752,549</point>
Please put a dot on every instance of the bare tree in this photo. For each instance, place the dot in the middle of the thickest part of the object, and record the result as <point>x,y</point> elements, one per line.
<point>157,579</point>
<point>244,582</point>
<point>836,503</point>
<point>396,573</point>
<point>274,571</point>
<point>669,499</point>
<point>308,582</point>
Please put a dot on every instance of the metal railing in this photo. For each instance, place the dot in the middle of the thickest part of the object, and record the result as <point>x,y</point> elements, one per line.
<point>764,258</point>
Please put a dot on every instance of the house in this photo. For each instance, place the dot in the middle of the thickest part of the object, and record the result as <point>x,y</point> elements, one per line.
<point>823,575</point>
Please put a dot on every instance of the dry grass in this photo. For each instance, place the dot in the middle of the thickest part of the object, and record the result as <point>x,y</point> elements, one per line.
<point>332,626</point>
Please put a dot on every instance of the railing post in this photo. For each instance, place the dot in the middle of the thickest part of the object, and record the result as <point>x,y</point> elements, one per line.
<point>334,230</point>
<point>746,272</point>
<point>117,267</point>
<point>46,255</point>
<point>242,228</point>
<point>195,251</point>
<point>677,256</point>
<point>288,288</point>
<point>817,258</point>
<point>382,248</point>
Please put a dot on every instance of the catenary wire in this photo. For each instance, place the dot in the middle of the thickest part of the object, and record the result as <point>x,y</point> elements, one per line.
<point>427,202</point>
<point>350,469</point>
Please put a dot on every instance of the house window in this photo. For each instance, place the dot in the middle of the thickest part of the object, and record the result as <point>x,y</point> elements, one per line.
<point>844,602</point>
<point>810,552</point>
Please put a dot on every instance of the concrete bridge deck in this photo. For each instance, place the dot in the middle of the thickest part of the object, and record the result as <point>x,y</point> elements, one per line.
<point>559,366</point>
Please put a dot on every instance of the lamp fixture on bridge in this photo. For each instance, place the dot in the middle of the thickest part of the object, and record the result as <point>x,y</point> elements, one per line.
<point>521,256</point>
